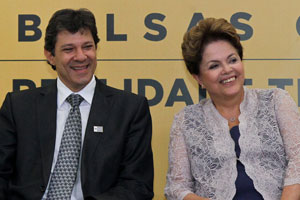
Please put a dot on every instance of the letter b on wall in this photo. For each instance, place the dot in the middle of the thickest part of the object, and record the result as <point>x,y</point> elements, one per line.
<point>28,28</point>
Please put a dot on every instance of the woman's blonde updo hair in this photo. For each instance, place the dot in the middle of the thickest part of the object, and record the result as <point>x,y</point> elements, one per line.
<point>205,32</point>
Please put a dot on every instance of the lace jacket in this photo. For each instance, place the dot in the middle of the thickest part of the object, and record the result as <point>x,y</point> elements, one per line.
<point>202,158</point>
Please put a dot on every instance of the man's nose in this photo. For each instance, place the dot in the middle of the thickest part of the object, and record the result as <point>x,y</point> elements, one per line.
<point>80,55</point>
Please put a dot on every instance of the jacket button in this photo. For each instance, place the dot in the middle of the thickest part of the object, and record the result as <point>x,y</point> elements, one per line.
<point>42,188</point>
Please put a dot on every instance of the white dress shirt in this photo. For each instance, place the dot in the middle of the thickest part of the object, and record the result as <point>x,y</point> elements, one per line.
<point>63,109</point>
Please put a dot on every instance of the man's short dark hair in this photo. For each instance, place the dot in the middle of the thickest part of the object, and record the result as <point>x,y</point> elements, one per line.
<point>72,21</point>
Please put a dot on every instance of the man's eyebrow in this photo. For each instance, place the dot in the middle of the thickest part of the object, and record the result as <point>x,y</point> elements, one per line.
<point>65,45</point>
<point>89,42</point>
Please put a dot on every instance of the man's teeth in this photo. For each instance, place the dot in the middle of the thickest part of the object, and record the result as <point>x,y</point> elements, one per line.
<point>80,67</point>
<point>229,80</point>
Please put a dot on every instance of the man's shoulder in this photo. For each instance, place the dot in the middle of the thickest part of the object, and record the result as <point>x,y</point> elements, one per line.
<point>120,100</point>
<point>123,94</point>
<point>30,93</point>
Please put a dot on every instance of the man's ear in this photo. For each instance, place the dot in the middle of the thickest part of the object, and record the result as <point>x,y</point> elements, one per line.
<point>49,57</point>
<point>199,80</point>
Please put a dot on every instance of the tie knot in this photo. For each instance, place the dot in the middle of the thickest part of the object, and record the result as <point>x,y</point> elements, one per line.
<point>74,99</point>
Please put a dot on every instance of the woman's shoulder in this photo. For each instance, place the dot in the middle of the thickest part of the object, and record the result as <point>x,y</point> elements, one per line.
<point>265,93</point>
<point>194,109</point>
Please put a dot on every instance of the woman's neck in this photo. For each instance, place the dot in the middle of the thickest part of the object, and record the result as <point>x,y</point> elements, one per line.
<point>229,108</point>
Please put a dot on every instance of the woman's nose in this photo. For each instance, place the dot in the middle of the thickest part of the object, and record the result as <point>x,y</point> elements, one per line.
<point>227,68</point>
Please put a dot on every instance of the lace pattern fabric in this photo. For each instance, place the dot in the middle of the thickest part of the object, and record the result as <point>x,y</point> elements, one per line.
<point>202,158</point>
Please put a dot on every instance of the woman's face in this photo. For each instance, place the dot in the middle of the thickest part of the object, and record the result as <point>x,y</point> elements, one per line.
<point>221,70</point>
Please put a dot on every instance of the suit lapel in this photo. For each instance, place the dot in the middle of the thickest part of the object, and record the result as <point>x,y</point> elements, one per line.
<point>99,113</point>
<point>46,115</point>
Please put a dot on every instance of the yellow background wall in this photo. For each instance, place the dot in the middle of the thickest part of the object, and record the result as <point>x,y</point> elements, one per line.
<point>272,51</point>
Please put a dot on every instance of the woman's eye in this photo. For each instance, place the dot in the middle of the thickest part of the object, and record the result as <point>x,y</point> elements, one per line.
<point>233,60</point>
<point>213,66</point>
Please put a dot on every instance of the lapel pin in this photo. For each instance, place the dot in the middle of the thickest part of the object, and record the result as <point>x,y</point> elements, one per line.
<point>98,129</point>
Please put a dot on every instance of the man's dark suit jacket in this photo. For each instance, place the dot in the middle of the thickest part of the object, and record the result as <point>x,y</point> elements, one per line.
<point>116,164</point>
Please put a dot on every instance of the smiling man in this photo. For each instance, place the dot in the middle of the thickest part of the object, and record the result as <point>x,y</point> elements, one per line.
<point>78,138</point>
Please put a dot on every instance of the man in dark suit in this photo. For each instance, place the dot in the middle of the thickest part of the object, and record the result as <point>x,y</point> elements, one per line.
<point>112,156</point>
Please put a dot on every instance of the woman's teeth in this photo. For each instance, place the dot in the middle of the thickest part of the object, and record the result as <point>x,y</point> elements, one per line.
<point>229,80</point>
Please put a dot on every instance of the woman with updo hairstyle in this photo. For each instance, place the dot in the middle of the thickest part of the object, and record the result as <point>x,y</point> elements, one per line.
<point>240,144</point>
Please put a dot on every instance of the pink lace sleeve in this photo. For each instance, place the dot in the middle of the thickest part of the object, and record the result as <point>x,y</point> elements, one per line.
<point>179,179</point>
<point>288,117</point>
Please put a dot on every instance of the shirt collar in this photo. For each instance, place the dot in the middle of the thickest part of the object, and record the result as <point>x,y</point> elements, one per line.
<point>87,92</point>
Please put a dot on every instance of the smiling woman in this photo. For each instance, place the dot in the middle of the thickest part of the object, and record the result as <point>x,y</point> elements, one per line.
<point>221,71</point>
<point>231,145</point>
